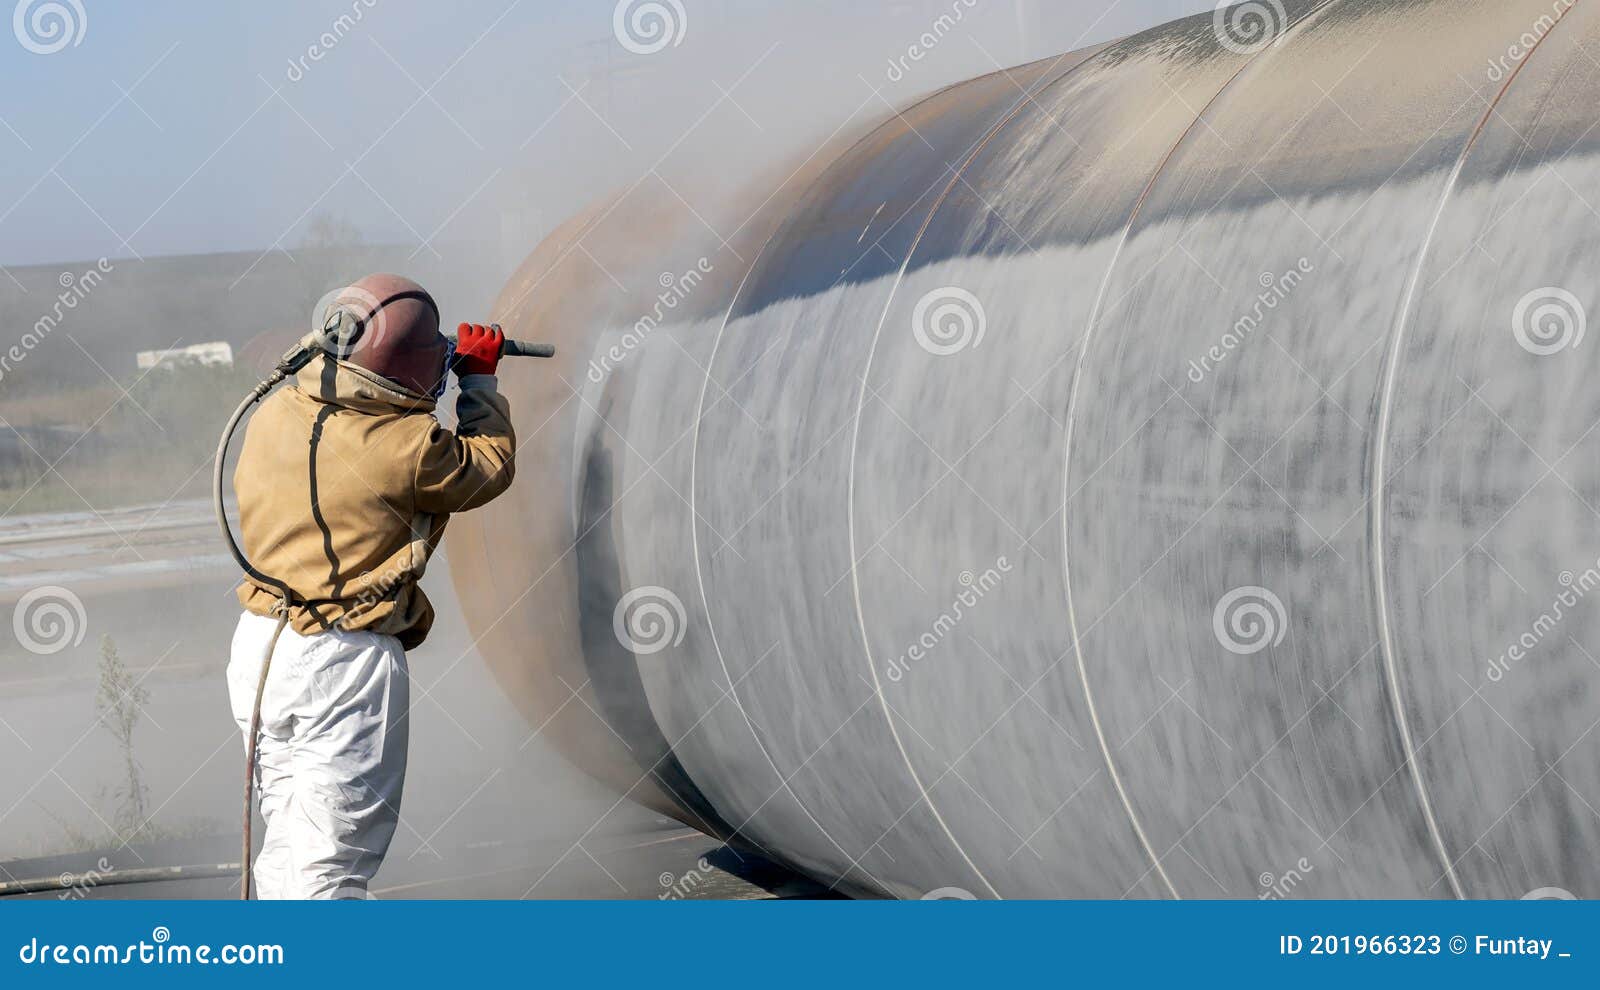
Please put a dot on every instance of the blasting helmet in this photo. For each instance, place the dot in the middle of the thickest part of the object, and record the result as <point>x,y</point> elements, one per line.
<point>389,325</point>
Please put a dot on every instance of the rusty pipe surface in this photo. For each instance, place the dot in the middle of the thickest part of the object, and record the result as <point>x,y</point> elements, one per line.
<point>1169,470</point>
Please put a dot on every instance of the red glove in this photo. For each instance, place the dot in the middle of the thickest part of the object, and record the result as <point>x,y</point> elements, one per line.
<point>478,349</point>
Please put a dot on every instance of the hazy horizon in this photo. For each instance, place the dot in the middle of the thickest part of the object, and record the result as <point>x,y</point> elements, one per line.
<point>193,129</point>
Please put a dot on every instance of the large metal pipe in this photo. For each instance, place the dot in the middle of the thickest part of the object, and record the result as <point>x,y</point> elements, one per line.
<point>1167,470</point>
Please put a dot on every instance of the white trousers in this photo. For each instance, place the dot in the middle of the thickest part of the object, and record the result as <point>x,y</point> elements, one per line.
<point>333,754</point>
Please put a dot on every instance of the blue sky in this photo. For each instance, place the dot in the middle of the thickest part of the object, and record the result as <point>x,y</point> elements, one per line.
<point>178,126</point>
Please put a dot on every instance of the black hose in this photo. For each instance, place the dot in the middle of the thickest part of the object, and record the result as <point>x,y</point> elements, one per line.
<point>71,881</point>
<point>219,478</point>
<point>292,362</point>
<point>518,348</point>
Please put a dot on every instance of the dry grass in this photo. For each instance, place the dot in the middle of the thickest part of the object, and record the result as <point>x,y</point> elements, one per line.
<point>93,447</point>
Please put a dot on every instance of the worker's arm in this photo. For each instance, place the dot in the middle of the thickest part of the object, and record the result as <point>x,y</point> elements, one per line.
<point>475,464</point>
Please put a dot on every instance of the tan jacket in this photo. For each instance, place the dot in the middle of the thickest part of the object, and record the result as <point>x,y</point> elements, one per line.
<point>345,483</point>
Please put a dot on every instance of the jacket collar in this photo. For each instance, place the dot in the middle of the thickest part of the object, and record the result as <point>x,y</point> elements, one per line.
<point>343,384</point>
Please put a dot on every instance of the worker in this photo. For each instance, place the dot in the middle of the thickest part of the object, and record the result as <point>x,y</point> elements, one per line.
<point>345,483</point>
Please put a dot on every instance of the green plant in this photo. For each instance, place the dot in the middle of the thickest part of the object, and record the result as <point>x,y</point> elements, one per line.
<point>120,703</point>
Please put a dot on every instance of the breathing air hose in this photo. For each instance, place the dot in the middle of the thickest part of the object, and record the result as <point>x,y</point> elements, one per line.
<point>291,363</point>
<point>297,358</point>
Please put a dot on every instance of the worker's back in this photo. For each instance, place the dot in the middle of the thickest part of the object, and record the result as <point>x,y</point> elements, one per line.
<point>345,483</point>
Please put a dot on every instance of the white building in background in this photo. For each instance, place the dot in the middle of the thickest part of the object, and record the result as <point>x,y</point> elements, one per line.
<point>214,355</point>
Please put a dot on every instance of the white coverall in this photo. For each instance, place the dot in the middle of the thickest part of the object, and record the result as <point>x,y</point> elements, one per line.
<point>332,758</point>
